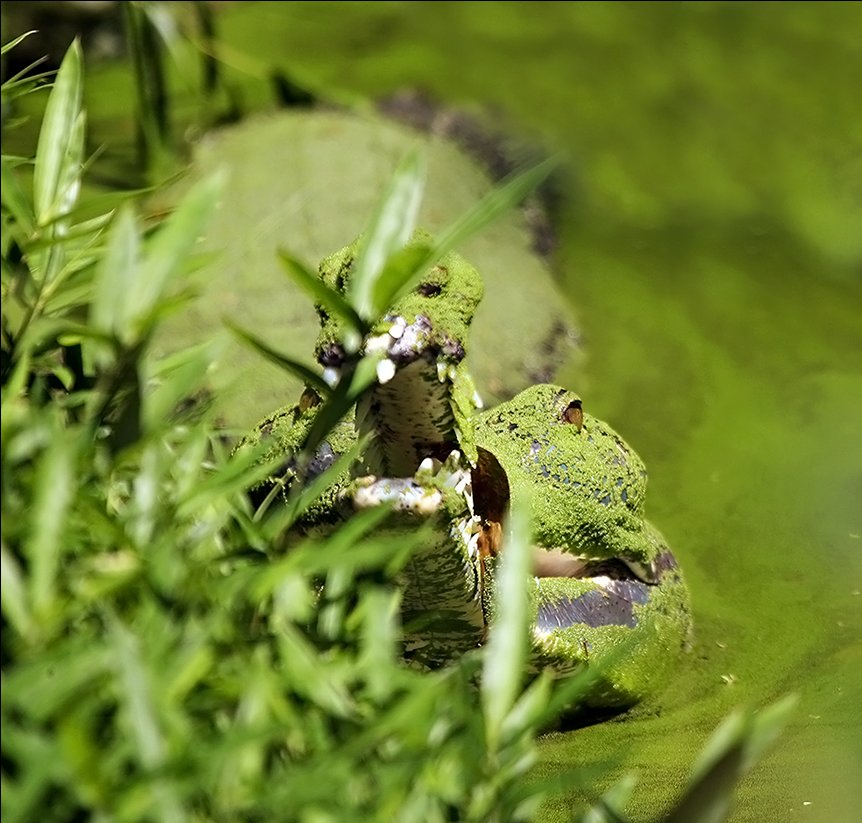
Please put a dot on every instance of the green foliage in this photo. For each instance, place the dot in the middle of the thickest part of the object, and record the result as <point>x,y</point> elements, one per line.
<point>161,659</point>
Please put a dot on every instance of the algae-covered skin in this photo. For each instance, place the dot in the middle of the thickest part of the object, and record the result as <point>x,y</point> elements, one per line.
<point>608,591</point>
<point>441,595</point>
<point>281,435</point>
<point>586,486</point>
<point>424,401</point>
<point>424,405</point>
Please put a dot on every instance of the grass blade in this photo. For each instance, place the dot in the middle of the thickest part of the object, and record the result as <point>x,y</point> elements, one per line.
<point>172,245</point>
<point>506,650</point>
<point>115,277</point>
<point>390,228</point>
<point>14,596</point>
<point>330,299</point>
<point>403,271</point>
<point>380,634</point>
<point>12,43</point>
<point>55,489</point>
<point>57,137</point>
<point>300,370</point>
<point>733,749</point>
<point>150,744</point>
<point>176,384</point>
<point>511,191</point>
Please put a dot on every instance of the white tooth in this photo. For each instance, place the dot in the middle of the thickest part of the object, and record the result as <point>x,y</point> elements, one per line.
<point>453,460</point>
<point>428,503</point>
<point>468,497</point>
<point>441,372</point>
<point>397,328</point>
<point>647,575</point>
<point>473,545</point>
<point>427,464</point>
<point>452,373</point>
<point>379,343</point>
<point>330,376</point>
<point>477,400</point>
<point>385,371</point>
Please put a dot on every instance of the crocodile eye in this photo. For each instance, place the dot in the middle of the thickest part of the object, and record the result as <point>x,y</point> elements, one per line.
<point>429,289</point>
<point>574,414</point>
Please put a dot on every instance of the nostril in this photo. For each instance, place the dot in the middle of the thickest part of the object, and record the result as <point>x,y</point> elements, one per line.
<point>331,354</point>
<point>429,289</point>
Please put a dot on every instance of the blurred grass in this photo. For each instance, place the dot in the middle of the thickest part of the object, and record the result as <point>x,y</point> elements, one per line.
<point>711,242</point>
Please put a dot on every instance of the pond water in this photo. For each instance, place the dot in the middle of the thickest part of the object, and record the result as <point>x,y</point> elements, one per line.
<point>710,242</point>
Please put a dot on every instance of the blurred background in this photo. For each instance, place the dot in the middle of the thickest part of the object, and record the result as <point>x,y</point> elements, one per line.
<point>694,271</point>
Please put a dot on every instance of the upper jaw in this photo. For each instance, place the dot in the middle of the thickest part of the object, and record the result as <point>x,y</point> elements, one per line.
<point>399,343</point>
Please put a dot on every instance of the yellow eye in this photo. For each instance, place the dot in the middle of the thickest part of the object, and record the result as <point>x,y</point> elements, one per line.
<point>574,414</point>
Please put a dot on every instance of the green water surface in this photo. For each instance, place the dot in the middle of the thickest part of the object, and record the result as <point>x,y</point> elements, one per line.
<point>710,240</point>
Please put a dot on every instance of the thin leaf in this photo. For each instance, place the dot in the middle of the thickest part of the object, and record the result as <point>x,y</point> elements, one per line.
<point>529,710</point>
<point>172,244</point>
<point>135,692</point>
<point>401,270</point>
<point>86,230</point>
<point>350,387</point>
<point>14,198</point>
<point>506,650</point>
<point>26,76</point>
<point>141,715</point>
<point>12,43</point>
<point>400,279</point>
<point>321,684</point>
<point>614,799</point>
<point>54,492</point>
<point>58,136</point>
<point>330,299</point>
<point>111,309</point>
<point>304,494</point>
<point>731,752</point>
<point>379,640</point>
<point>768,726</point>
<point>177,385</point>
<point>71,169</point>
<point>390,228</point>
<point>300,370</point>
<point>14,595</point>
<point>499,200</point>
<point>345,546</point>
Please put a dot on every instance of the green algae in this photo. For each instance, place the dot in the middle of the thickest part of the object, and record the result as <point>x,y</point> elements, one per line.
<point>585,486</point>
<point>714,253</point>
<point>448,296</point>
<point>585,489</point>
<point>713,250</point>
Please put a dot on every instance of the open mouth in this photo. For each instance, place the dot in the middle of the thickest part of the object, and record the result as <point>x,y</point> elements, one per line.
<point>618,584</point>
